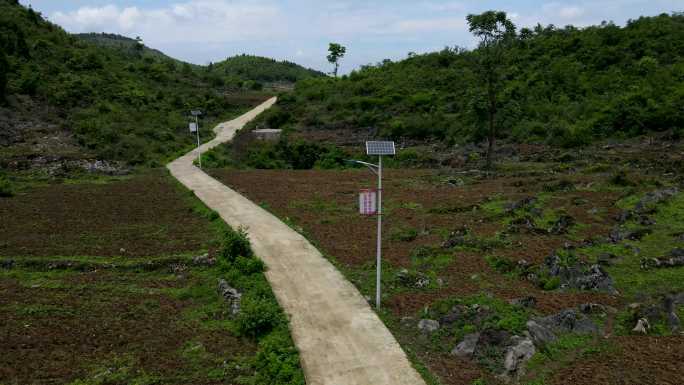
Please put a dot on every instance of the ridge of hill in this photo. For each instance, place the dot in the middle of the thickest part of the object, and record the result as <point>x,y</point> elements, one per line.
<point>562,86</point>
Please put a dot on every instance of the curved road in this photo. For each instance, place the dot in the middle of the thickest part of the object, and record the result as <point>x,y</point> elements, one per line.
<point>340,339</point>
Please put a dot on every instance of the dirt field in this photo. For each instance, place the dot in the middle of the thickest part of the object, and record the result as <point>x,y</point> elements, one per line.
<point>78,310</point>
<point>574,209</point>
<point>145,216</point>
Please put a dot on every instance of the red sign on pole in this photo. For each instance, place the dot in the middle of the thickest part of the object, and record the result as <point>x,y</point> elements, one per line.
<point>368,202</point>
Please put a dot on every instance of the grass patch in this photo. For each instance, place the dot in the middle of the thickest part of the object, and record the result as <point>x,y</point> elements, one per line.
<point>566,350</point>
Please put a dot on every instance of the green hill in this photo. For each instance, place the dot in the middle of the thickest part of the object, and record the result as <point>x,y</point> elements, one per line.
<point>566,86</point>
<point>123,43</point>
<point>263,69</point>
<point>104,96</point>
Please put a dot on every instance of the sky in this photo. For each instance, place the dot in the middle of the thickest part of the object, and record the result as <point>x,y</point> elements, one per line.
<point>203,31</point>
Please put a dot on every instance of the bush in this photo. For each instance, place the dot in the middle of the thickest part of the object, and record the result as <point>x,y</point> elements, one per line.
<point>258,316</point>
<point>6,188</point>
<point>277,361</point>
<point>235,244</point>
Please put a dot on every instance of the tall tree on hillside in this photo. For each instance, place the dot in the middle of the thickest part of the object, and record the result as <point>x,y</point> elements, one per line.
<point>336,52</point>
<point>495,31</point>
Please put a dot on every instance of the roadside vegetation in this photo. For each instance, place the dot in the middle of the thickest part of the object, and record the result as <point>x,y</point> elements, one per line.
<point>166,293</point>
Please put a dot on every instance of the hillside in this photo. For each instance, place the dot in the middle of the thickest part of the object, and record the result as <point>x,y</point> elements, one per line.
<point>562,86</point>
<point>123,43</point>
<point>263,69</point>
<point>66,98</point>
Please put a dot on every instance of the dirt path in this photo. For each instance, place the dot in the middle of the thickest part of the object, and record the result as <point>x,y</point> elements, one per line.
<point>340,339</point>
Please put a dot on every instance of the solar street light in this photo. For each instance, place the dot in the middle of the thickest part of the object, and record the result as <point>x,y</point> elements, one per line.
<point>379,148</point>
<point>194,127</point>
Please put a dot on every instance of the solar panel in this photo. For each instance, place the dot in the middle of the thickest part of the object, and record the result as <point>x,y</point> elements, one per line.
<point>195,112</point>
<point>380,148</point>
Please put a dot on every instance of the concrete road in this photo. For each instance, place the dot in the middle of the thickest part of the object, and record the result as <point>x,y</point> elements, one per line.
<point>340,339</point>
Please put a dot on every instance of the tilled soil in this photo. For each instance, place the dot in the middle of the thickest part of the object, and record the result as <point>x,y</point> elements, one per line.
<point>82,321</point>
<point>636,361</point>
<point>145,215</point>
<point>323,204</point>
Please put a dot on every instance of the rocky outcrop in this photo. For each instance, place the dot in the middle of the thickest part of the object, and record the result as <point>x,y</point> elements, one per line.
<point>428,325</point>
<point>230,295</point>
<point>466,348</point>
<point>575,275</point>
<point>674,259</point>
<point>517,355</point>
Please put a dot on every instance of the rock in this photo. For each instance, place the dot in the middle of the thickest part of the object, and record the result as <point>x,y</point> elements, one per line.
<point>230,295</point>
<point>457,237</point>
<point>595,279</point>
<point>624,216</point>
<point>568,320</point>
<point>178,268</point>
<point>674,259</point>
<point>619,234</point>
<point>428,325</point>
<point>650,199</point>
<point>607,259</point>
<point>407,321</point>
<point>412,279</point>
<point>517,355</point>
<point>521,204</point>
<point>422,282</point>
<point>466,348</point>
<point>642,326</point>
<point>577,276</point>
<point>455,314</point>
<point>122,250</point>
<point>673,320</point>
<point>541,335</point>
<point>204,260</point>
<point>592,308</point>
<point>493,337</point>
<point>562,225</point>
<point>7,264</point>
<point>528,302</point>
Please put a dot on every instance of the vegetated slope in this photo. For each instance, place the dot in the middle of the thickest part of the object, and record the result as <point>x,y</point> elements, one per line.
<point>264,70</point>
<point>122,43</point>
<point>564,86</point>
<point>67,98</point>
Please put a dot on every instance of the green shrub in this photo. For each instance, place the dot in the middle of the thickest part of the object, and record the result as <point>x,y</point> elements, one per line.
<point>552,283</point>
<point>6,187</point>
<point>249,266</point>
<point>235,244</point>
<point>258,316</point>
<point>277,361</point>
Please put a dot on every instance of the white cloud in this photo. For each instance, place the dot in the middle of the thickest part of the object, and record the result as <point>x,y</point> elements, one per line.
<point>570,13</point>
<point>427,25</point>
<point>191,21</point>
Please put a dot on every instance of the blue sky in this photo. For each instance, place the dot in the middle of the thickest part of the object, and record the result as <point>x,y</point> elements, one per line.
<point>200,31</point>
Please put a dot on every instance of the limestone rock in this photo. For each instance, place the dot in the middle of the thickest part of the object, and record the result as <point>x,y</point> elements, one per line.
<point>540,335</point>
<point>642,326</point>
<point>466,348</point>
<point>230,295</point>
<point>428,325</point>
<point>517,355</point>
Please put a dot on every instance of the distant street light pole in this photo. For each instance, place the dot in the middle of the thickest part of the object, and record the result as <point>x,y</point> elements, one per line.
<point>379,149</point>
<point>197,113</point>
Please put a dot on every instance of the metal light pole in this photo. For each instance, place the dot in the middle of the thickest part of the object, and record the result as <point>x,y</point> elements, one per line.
<point>197,113</point>
<point>379,149</point>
